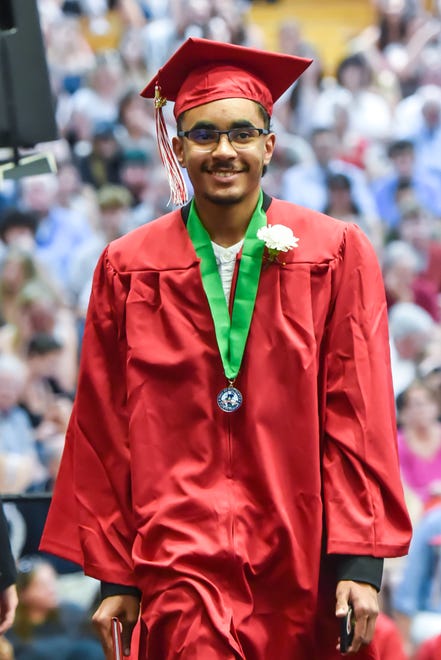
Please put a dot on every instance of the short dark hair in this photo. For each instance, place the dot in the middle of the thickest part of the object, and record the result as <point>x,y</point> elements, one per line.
<point>402,399</point>
<point>14,217</point>
<point>320,130</point>
<point>356,60</point>
<point>338,182</point>
<point>400,146</point>
<point>42,343</point>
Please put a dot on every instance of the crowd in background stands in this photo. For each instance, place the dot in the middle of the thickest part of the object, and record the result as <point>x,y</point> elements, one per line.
<point>362,144</point>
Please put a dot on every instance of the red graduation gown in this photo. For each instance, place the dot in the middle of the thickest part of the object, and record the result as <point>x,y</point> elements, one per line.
<point>222,519</point>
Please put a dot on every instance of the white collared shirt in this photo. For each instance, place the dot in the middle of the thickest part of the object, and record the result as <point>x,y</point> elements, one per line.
<point>226,260</point>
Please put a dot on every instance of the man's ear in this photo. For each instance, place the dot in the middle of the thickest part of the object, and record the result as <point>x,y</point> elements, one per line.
<point>178,149</point>
<point>270,142</point>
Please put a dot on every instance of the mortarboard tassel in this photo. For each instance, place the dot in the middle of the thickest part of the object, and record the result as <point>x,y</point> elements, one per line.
<point>178,189</point>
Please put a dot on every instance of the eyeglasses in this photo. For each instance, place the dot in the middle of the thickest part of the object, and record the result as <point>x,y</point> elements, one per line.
<point>240,138</point>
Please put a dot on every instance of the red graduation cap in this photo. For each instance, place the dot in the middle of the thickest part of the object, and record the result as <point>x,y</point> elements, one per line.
<point>201,71</point>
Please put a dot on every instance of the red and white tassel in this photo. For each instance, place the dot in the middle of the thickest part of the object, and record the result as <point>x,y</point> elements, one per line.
<point>178,189</point>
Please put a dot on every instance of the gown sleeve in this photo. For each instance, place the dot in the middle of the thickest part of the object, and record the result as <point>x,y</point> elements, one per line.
<point>90,520</point>
<point>364,505</point>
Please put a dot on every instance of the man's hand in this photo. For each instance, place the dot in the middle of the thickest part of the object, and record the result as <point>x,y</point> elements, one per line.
<point>8,605</point>
<point>364,600</point>
<point>126,608</point>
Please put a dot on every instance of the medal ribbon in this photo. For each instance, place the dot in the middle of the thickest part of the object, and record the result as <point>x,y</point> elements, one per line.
<point>231,334</point>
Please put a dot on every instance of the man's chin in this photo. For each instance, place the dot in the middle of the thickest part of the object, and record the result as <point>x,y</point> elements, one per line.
<point>228,199</point>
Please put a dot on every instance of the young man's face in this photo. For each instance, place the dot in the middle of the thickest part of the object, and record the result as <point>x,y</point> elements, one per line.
<point>223,174</point>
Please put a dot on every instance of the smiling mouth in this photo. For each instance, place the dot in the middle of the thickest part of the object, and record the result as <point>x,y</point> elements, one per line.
<point>224,173</point>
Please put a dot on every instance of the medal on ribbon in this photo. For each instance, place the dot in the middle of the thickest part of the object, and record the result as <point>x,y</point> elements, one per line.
<point>230,398</point>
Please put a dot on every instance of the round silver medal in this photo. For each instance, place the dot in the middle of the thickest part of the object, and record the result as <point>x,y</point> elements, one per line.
<point>229,399</point>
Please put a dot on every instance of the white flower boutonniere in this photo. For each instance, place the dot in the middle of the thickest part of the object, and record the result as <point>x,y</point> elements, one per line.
<point>277,238</point>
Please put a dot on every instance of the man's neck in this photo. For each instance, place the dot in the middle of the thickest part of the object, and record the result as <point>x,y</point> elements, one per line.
<point>226,224</point>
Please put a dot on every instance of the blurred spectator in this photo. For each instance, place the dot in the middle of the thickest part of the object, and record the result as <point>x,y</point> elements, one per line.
<point>45,400</point>
<point>411,328</point>
<point>418,119</point>
<point>46,627</point>
<point>231,22</point>
<point>293,109</point>
<point>97,100</point>
<point>221,20</point>
<point>305,184</point>
<point>426,190</point>
<point>159,38</point>
<point>341,205</point>
<point>184,18</point>
<point>136,174</point>
<point>354,147</point>
<point>136,124</point>
<point>396,43</point>
<point>419,439</point>
<point>290,38</point>
<point>103,22</point>
<point>132,56</point>
<point>417,227</point>
<point>417,598</point>
<point>427,137</point>
<point>18,228</point>
<point>75,195</point>
<point>19,463</point>
<point>39,311</point>
<point>60,230</point>
<point>369,113</point>
<point>155,199</point>
<point>155,9</point>
<point>16,270</point>
<point>102,164</point>
<point>114,207</point>
<point>430,370</point>
<point>69,55</point>
<point>402,279</point>
<point>290,149</point>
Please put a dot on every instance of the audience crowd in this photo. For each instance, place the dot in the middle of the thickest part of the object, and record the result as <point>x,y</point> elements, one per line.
<point>361,143</point>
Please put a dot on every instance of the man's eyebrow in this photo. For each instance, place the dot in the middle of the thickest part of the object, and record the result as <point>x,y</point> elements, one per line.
<point>202,124</point>
<point>239,123</point>
<point>243,123</point>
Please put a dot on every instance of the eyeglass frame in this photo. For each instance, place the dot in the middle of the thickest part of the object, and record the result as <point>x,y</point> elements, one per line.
<point>236,129</point>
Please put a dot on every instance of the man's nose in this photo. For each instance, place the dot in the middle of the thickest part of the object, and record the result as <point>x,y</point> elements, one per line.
<point>224,146</point>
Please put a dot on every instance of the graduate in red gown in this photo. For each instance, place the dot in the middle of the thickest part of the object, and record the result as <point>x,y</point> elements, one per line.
<point>230,471</point>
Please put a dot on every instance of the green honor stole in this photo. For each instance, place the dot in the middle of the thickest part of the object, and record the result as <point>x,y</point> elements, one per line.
<point>231,332</point>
